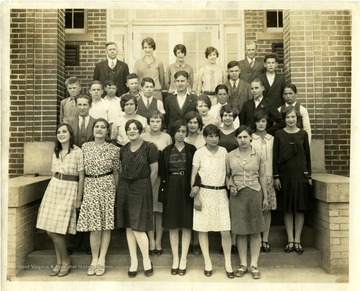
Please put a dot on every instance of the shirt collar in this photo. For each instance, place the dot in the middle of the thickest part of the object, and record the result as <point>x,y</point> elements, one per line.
<point>176,93</point>
<point>266,136</point>
<point>290,104</point>
<point>253,151</point>
<point>180,65</point>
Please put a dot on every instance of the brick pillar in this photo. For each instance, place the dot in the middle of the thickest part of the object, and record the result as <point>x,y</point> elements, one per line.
<point>317,48</point>
<point>36,78</point>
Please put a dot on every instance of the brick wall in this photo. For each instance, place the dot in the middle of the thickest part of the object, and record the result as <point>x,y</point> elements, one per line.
<point>36,79</point>
<point>318,61</point>
<point>91,51</point>
<point>255,30</point>
<point>21,226</point>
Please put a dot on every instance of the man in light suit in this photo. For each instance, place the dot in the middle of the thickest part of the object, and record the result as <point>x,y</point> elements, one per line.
<point>112,69</point>
<point>180,102</point>
<point>251,67</point>
<point>259,102</point>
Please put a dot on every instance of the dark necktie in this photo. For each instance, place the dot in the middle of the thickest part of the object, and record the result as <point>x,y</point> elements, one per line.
<point>147,103</point>
<point>234,86</point>
<point>82,130</point>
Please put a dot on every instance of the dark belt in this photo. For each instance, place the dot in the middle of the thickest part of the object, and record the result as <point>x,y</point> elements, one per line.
<point>181,173</point>
<point>212,187</point>
<point>62,176</point>
<point>98,176</point>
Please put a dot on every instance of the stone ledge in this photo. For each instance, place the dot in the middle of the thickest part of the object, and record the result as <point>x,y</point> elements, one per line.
<point>26,189</point>
<point>331,188</point>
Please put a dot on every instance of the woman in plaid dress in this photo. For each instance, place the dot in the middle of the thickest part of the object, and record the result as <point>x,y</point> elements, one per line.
<point>57,212</point>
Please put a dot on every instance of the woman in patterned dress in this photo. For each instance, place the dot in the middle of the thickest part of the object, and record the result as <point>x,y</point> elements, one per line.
<point>263,142</point>
<point>128,105</point>
<point>176,162</point>
<point>57,212</point>
<point>161,140</point>
<point>211,203</point>
<point>134,204</point>
<point>101,162</point>
<point>248,199</point>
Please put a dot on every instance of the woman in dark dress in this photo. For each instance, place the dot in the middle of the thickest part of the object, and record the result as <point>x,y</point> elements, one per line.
<point>227,131</point>
<point>176,163</point>
<point>134,205</point>
<point>292,176</point>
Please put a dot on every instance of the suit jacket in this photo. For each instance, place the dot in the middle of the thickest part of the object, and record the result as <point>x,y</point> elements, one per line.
<point>275,121</point>
<point>173,111</point>
<point>247,73</point>
<point>238,96</point>
<point>101,73</point>
<point>275,91</point>
<point>89,130</point>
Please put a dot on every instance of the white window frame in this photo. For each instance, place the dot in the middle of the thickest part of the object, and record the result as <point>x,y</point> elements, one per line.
<point>273,29</point>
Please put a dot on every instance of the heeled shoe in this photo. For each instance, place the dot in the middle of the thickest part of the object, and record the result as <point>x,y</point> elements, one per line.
<point>241,271</point>
<point>265,247</point>
<point>230,275</point>
<point>298,248</point>
<point>149,272</point>
<point>174,271</point>
<point>255,273</point>
<point>55,271</point>
<point>208,273</point>
<point>65,269</point>
<point>100,270</point>
<point>289,247</point>
<point>159,252</point>
<point>152,252</point>
<point>182,272</point>
<point>132,274</point>
<point>91,271</point>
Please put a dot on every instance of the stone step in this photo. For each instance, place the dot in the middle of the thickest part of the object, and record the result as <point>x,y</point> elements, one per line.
<point>119,257</point>
<point>277,239</point>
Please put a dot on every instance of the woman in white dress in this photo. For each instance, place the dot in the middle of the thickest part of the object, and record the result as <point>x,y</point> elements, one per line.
<point>211,203</point>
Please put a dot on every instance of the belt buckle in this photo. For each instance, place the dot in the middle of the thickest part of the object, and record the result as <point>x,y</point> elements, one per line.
<point>61,176</point>
<point>96,176</point>
<point>216,188</point>
<point>182,173</point>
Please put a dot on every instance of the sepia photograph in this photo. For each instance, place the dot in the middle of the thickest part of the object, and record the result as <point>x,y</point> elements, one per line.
<point>179,145</point>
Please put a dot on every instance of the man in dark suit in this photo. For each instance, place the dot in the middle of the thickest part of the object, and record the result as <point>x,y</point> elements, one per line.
<point>251,67</point>
<point>239,90</point>
<point>180,102</point>
<point>83,132</point>
<point>112,69</point>
<point>273,83</point>
<point>259,102</point>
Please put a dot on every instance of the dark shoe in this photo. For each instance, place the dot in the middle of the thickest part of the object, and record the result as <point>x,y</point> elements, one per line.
<point>265,247</point>
<point>55,271</point>
<point>234,250</point>
<point>149,272</point>
<point>182,272</point>
<point>65,269</point>
<point>230,275</point>
<point>208,273</point>
<point>255,273</point>
<point>289,247</point>
<point>91,271</point>
<point>100,270</point>
<point>196,250</point>
<point>132,274</point>
<point>241,271</point>
<point>298,248</point>
<point>152,252</point>
<point>174,271</point>
<point>159,252</point>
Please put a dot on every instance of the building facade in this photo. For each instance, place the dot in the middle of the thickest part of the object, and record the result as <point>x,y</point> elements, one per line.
<point>315,46</point>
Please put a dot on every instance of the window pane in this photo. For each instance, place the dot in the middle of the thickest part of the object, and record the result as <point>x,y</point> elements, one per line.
<point>79,19</point>
<point>280,19</point>
<point>68,18</point>
<point>271,19</point>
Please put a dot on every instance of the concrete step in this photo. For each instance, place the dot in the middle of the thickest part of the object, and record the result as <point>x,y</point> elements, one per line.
<point>311,258</point>
<point>277,239</point>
